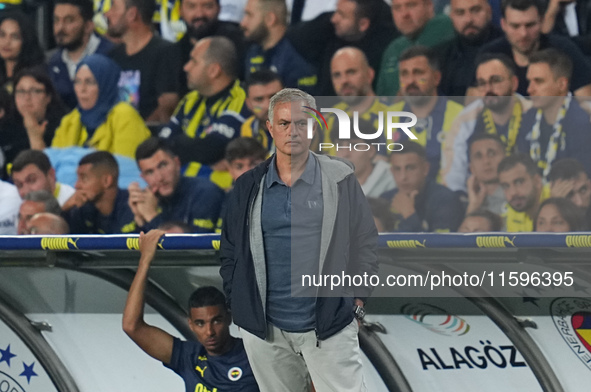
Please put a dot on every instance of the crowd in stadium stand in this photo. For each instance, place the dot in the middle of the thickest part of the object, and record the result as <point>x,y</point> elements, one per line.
<point>145,112</point>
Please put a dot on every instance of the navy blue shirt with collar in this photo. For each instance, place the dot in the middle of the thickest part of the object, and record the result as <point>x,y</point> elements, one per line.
<point>203,372</point>
<point>292,224</point>
<point>295,71</point>
<point>88,220</point>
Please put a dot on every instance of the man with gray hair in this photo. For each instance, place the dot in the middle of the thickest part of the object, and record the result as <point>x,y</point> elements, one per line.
<point>47,223</point>
<point>211,115</point>
<point>34,203</point>
<point>287,209</point>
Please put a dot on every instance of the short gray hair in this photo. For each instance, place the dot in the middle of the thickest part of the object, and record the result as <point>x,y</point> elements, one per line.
<point>290,95</point>
<point>53,224</point>
<point>42,196</point>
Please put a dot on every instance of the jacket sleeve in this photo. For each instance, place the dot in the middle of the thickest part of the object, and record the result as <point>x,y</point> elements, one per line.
<point>75,219</point>
<point>153,224</point>
<point>205,210</point>
<point>207,150</point>
<point>364,237</point>
<point>227,243</point>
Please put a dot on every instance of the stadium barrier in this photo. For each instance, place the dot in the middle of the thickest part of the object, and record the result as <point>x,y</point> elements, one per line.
<point>534,338</point>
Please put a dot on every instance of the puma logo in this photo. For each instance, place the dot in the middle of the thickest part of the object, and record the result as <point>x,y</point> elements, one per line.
<point>510,241</point>
<point>73,242</point>
<point>200,370</point>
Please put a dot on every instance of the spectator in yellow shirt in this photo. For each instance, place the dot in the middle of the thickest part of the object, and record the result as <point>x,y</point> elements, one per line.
<point>100,120</point>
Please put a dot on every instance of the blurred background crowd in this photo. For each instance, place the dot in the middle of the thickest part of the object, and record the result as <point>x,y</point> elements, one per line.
<point>124,115</point>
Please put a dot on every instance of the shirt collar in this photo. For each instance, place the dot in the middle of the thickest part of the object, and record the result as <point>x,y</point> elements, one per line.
<point>272,175</point>
<point>272,50</point>
<point>224,92</point>
<point>308,176</point>
<point>90,48</point>
<point>440,106</point>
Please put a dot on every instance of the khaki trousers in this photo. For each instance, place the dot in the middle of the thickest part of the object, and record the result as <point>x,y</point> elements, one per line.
<point>286,361</point>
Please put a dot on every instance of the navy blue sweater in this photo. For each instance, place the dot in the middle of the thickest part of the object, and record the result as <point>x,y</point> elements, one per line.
<point>88,220</point>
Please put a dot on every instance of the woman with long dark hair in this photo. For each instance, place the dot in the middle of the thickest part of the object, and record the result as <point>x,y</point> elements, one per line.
<point>559,215</point>
<point>38,105</point>
<point>19,47</point>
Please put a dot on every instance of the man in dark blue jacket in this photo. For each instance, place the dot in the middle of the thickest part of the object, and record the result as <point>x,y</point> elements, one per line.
<point>306,208</point>
<point>421,204</point>
<point>170,197</point>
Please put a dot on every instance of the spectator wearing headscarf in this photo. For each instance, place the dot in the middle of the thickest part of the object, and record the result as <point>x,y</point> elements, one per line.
<point>100,120</point>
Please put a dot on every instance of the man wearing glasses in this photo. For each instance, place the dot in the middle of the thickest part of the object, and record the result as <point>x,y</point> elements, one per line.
<point>522,25</point>
<point>498,112</point>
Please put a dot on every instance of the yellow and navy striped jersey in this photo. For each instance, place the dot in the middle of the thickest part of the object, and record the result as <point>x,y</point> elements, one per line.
<point>254,128</point>
<point>221,115</point>
<point>199,116</point>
